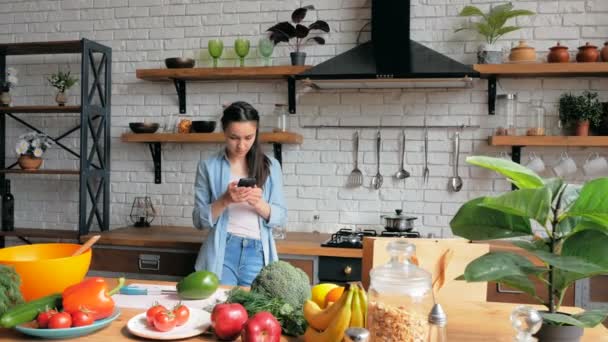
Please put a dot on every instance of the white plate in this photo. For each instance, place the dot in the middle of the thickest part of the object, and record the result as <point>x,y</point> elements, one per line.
<point>198,322</point>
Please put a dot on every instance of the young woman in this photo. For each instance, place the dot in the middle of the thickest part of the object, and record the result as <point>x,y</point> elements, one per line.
<point>239,218</point>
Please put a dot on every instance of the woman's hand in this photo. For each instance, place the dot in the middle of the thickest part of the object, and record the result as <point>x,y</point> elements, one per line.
<point>254,197</point>
<point>236,194</point>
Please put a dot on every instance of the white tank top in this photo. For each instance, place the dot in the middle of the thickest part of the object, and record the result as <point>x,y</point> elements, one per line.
<point>243,220</point>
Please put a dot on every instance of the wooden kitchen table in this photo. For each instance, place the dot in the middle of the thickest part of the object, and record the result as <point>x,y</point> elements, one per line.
<point>467,321</point>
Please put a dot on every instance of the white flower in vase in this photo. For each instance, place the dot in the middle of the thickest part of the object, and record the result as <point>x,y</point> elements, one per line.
<point>22,147</point>
<point>38,152</point>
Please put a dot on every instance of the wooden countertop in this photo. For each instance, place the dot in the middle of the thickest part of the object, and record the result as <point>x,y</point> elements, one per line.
<point>468,321</point>
<point>189,238</point>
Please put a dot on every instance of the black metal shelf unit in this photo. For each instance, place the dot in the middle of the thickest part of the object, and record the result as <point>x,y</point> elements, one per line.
<point>95,114</point>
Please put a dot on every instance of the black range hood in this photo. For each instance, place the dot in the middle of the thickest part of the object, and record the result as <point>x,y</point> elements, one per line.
<point>390,59</point>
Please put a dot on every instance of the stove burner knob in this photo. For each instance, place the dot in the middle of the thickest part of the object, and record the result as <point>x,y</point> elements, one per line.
<point>348,270</point>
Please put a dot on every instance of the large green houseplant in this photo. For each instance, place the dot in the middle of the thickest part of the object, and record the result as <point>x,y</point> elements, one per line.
<point>491,26</point>
<point>575,222</point>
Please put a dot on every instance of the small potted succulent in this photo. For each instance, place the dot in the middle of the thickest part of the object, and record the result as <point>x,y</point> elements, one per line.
<point>30,148</point>
<point>286,31</point>
<point>574,222</point>
<point>10,81</point>
<point>63,81</point>
<point>491,26</point>
<point>578,111</point>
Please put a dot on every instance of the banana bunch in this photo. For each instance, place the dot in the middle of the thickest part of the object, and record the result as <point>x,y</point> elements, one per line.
<point>328,325</point>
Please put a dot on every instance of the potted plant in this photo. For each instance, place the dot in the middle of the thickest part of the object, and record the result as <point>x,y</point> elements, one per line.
<point>579,111</point>
<point>63,81</point>
<point>285,31</point>
<point>30,148</point>
<point>491,26</point>
<point>10,81</point>
<point>575,221</point>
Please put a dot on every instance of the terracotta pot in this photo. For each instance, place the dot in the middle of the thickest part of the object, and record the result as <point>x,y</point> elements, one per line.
<point>5,98</point>
<point>558,54</point>
<point>522,53</point>
<point>587,54</point>
<point>582,128</point>
<point>604,53</point>
<point>559,333</point>
<point>27,162</point>
<point>61,98</point>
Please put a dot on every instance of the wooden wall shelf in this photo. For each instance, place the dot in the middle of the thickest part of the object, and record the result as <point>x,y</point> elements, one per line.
<point>221,73</point>
<point>564,141</point>
<point>154,141</point>
<point>41,172</point>
<point>542,69</point>
<point>40,109</point>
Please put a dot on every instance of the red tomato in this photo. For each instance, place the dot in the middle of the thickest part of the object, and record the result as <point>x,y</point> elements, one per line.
<point>81,318</point>
<point>60,320</point>
<point>152,311</point>
<point>181,313</point>
<point>164,321</point>
<point>43,318</point>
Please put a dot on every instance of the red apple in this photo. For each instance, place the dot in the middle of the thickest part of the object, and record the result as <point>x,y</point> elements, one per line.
<point>228,320</point>
<point>262,327</point>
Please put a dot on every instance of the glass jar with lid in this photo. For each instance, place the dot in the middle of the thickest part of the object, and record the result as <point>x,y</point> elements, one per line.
<point>506,110</point>
<point>282,115</point>
<point>400,297</point>
<point>536,118</point>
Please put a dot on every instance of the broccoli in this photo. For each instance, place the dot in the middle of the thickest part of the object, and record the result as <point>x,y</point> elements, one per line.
<point>282,280</point>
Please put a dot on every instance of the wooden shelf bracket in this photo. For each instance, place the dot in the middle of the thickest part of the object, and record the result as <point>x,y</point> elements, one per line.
<point>155,150</point>
<point>492,95</point>
<point>291,94</point>
<point>180,87</point>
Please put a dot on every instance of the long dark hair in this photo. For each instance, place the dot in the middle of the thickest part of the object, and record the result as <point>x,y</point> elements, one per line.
<point>257,162</point>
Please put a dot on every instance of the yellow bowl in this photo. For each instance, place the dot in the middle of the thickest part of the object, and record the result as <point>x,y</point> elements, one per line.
<point>46,268</point>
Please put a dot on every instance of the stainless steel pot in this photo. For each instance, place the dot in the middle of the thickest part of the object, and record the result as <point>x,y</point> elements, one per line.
<point>398,222</point>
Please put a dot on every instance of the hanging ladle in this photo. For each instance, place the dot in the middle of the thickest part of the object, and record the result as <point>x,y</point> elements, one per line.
<point>402,173</point>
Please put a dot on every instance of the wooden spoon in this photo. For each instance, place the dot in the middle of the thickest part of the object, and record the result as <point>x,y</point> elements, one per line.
<point>86,245</point>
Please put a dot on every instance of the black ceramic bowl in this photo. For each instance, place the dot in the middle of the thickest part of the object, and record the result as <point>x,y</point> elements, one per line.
<point>203,126</point>
<point>143,127</point>
<point>179,62</point>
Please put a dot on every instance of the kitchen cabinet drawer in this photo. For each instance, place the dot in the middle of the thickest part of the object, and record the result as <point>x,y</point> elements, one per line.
<point>339,270</point>
<point>504,294</point>
<point>143,261</point>
<point>306,265</point>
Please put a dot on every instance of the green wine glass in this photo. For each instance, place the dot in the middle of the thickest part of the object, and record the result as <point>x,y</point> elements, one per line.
<point>265,48</point>
<point>216,47</point>
<point>241,47</point>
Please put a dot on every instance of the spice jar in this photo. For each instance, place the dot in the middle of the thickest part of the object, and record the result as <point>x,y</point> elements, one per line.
<point>587,54</point>
<point>536,118</point>
<point>506,109</point>
<point>522,53</point>
<point>183,123</point>
<point>604,52</point>
<point>280,110</point>
<point>558,54</point>
<point>400,297</point>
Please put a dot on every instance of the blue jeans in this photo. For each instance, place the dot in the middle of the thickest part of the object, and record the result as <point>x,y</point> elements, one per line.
<point>243,260</point>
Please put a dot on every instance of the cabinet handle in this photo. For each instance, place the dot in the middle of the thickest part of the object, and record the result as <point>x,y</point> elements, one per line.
<point>348,270</point>
<point>501,289</point>
<point>149,262</point>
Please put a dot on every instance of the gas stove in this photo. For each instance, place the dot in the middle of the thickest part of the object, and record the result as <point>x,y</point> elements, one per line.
<point>349,238</point>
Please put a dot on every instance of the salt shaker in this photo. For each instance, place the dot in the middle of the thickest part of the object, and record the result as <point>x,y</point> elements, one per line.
<point>526,321</point>
<point>356,335</point>
<point>437,325</point>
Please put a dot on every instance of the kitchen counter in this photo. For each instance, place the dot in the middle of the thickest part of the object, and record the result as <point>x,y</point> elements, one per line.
<point>189,238</point>
<point>468,321</point>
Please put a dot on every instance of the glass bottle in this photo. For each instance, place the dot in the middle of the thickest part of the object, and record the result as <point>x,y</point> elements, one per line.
<point>536,118</point>
<point>280,110</point>
<point>183,123</point>
<point>506,109</point>
<point>437,325</point>
<point>8,208</point>
<point>400,297</point>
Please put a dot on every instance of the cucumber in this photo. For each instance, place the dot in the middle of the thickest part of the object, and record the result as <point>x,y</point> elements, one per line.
<point>26,312</point>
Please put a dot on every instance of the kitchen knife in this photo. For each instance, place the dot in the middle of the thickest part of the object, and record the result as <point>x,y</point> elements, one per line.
<point>142,291</point>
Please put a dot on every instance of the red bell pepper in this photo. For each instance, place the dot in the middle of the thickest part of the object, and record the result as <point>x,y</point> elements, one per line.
<point>92,295</point>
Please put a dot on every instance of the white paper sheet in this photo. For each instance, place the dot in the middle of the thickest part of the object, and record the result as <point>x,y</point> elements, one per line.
<point>168,300</point>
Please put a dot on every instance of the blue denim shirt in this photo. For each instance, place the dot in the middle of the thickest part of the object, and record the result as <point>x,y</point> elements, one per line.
<point>212,178</point>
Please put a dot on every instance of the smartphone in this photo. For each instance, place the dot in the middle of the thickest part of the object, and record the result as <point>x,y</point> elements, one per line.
<point>247,182</point>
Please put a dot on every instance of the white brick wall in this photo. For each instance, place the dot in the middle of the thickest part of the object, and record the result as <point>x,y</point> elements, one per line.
<point>144,32</point>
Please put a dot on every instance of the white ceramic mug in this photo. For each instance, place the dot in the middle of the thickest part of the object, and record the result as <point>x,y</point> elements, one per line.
<point>565,166</point>
<point>535,163</point>
<point>595,165</point>
<point>504,155</point>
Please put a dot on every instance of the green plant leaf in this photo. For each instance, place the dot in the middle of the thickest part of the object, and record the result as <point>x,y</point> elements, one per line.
<point>537,245</point>
<point>497,266</point>
<point>587,319</point>
<point>568,196</point>
<point>518,13</point>
<point>554,185</point>
<point>485,30</point>
<point>530,203</point>
<point>471,11</point>
<point>592,202</point>
<point>504,30</point>
<point>475,222</point>
<point>521,176</point>
<point>521,283</point>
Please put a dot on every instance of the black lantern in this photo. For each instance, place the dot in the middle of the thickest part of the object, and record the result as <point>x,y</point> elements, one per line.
<point>142,212</point>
